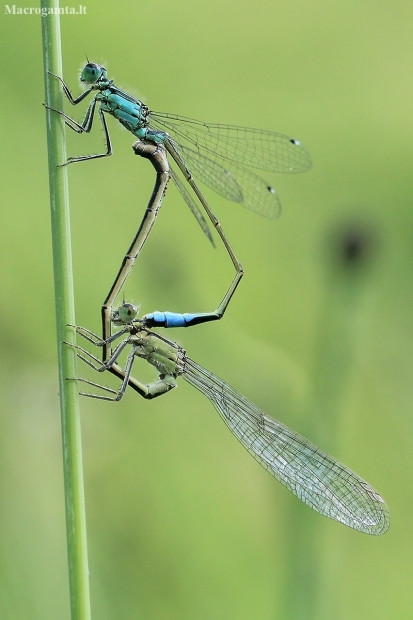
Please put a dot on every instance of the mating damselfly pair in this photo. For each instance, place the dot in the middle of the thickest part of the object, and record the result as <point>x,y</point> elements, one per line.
<point>218,155</point>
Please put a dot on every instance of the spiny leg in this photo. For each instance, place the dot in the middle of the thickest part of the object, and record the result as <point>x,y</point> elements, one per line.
<point>68,93</point>
<point>85,127</point>
<point>97,385</point>
<point>147,391</point>
<point>118,395</point>
<point>109,152</point>
<point>94,362</point>
<point>94,338</point>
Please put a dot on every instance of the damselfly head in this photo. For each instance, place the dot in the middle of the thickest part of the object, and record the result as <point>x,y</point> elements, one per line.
<point>126,313</point>
<point>92,73</point>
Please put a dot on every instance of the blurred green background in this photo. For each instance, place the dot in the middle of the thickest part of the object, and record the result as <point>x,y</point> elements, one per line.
<point>182,522</point>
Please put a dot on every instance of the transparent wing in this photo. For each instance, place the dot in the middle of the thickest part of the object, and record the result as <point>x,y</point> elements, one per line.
<point>191,204</point>
<point>256,148</point>
<point>216,176</point>
<point>313,476</point>
<point>231,181</point>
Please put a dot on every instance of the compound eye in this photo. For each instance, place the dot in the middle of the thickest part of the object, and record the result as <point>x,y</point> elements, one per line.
<point>91,73</point>
<point>127,313</point>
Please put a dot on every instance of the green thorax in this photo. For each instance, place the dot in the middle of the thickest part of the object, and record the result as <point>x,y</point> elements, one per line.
<point>166,357</point>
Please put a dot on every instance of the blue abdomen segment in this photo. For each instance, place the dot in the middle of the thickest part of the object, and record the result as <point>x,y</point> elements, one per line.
<point>174,319</point>
<point>158,137</point>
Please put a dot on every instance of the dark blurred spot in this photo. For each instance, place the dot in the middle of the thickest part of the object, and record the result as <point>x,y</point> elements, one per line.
<point>352,244</point>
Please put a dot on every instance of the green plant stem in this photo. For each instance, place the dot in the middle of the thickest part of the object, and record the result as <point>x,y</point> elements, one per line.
<point>64,299</point>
